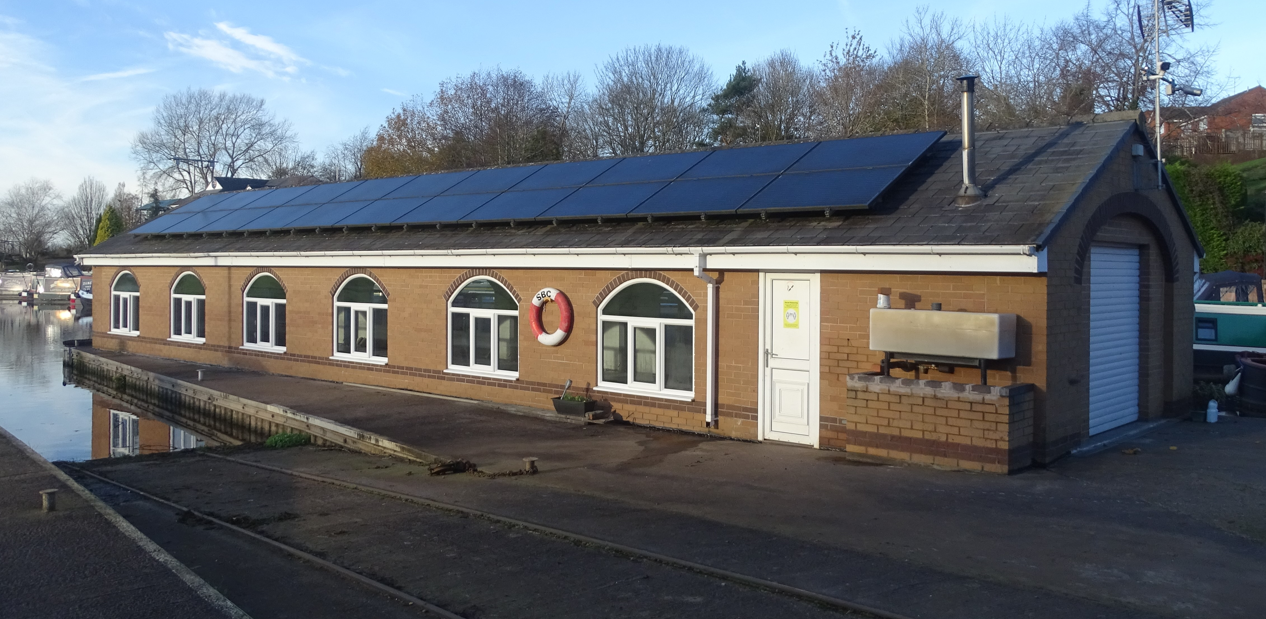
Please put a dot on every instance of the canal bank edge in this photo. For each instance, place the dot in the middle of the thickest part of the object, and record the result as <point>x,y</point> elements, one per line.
<point>196,583</point>
<point>271,418</point>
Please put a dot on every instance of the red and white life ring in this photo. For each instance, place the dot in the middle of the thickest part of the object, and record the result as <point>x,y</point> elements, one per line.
<point>564,317</point>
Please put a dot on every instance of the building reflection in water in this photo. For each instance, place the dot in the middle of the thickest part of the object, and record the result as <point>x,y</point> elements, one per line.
<point>121,431</point>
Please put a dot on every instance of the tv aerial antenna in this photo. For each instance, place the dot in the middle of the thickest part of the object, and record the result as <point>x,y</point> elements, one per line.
<point>1169,16</point>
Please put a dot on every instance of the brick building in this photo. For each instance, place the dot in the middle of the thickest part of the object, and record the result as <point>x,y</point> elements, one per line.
<point>750,323</point>
<point>1235,125</point>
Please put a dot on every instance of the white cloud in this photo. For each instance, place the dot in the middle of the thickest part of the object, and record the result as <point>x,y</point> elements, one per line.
<point>116,74</point>
<point>242,51</point>
<point>393,92</point>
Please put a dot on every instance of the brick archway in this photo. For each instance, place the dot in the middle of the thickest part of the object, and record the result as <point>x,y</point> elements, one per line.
<point>490,274</point>
<point>348,274</point>
<point>262,270</point>
<point>1140,208</point>
<point>655,275</point>
<point>175,278</point>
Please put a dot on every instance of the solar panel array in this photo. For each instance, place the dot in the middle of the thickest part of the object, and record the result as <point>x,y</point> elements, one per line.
<point>834,174</point>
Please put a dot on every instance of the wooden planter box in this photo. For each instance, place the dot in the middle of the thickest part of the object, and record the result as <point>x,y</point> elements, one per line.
<point>572,407</point>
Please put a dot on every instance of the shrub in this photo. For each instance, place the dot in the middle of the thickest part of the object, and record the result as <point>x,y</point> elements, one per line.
<point>282,440</point>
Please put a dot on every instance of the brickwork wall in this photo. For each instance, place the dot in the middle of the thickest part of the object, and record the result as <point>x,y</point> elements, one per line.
<point>974,427</point>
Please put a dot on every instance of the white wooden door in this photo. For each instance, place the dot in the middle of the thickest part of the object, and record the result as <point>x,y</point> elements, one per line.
<point>789,394</point>
<point>1114,337</point>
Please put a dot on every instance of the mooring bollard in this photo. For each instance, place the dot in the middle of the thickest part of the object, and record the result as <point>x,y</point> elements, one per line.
<point>529,465</point>
<point>50,499</point>
<point>200,375</point>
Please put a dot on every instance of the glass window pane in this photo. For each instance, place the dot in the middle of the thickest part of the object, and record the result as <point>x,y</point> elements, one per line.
<point>177,317</point>
<point>508,343</point>
<point>343,330</point>
<point>615,352</point>
<point>459,339</point>
<point>644,361</point>
<point>134,315</point>
<point>265,287</point>
<point>362,332</point>
<point>252,326</point>
<point>265,322</point>
<point>114,311</point>
<point>380,332</point>
<point>189,284</point>
<point>279,324</point>
<point>126,283</point>
<point>188,327</point>
<point>484,294</point>
<point>647,300</point>
<point>679,358</point>
<point>483,341</point>
<point>361,290</point>
<point>200,318</point>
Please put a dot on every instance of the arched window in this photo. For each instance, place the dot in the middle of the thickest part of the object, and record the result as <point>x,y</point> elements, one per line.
<point>264,321</point>
<point>646,340</point>
<point>188,309</point>
<point>483,330</point>
<point>125,305</point>
<point>360,321</point>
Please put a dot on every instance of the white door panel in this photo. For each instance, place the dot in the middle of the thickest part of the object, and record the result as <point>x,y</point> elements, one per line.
<point>789,385</point>
<point>1114,337</point>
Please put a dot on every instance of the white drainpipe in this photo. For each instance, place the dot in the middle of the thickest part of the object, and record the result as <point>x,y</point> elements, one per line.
<point>710,405</point>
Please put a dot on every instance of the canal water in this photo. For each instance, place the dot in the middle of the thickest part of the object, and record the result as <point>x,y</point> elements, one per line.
<point>61,421</point>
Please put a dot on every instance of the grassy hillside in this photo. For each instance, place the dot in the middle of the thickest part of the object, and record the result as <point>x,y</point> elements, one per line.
<point>1255,183</point>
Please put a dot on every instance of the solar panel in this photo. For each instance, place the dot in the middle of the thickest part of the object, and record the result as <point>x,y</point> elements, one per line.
<point>709,195</point>
<point>327,214</point>
<point>279,217</point>
<point>518,204</point>
<point>649,168</point>
<point>382,211</point>
<point>492,180</point>
<point>569,174</point>
<point>887,150</point>
<point>844,189</point>
<point>605,200</point>
<point>235,220</point>
<point>196,221</point>
<point>445,208</point>
<point>162,223</point>
<point>374,189</point>
<point>278,197</point>
<point>321,194</point>
<point>770,159</point>
<point>205,202</point>
<point>238,200</point>
<point>429,185</point>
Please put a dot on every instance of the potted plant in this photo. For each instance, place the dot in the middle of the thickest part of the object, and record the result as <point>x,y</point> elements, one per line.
<point>572,404</point>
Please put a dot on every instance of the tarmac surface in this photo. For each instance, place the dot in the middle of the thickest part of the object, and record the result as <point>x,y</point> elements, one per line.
<point>73,562</point>
<point>1174,530</point>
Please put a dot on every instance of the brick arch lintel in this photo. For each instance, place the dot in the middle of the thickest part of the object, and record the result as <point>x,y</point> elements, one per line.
<point>260,271</point>
<point>175,278</point>
<point>120,272</point>
<point>1128,205</point>
<point>655,275</point>
<point>490,274</point>
<point>359,271</point>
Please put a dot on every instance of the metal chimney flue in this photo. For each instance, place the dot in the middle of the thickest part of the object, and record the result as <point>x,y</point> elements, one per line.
<point>971,193</point>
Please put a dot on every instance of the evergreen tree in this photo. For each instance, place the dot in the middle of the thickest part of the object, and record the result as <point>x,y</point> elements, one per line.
<point>727,104</point>
<point>111,225</point>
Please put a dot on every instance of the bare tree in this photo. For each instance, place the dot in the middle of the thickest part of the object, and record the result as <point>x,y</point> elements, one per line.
<point>847,99</point>
<point>192,127</point>
<point>918,84</point>
<point>565,93</point>
<point>292,161</point>
<point>651,99</point>
<point>29,216</point>
<point>345,161</point>
<point>783,104</point>
<point>80,214</point>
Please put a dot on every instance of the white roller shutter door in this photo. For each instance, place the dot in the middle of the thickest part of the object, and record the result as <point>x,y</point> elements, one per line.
<point>1114,337</point>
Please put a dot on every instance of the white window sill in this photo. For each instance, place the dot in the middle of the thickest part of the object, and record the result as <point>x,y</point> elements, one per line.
<point>125,333</point>
<point>272,349</point>
<point>466,372</point>
<point>188,340</point>
<point>365,360</point>
<point>666,395</point>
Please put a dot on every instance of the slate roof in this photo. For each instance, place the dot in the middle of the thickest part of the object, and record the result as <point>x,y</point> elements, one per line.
<point>1032,177</point>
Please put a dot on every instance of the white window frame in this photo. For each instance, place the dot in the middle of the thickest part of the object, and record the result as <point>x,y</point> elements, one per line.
<point>481,370</point>
<point>657,388</point>
<point>128,441</point>
<point>368,308</point>
<point>260,304</point>
<point>133,300</point>
<point>187,302</point>
<point>180,440</point>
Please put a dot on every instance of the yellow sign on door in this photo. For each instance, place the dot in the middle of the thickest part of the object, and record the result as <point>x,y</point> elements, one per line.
<point>791,314</point>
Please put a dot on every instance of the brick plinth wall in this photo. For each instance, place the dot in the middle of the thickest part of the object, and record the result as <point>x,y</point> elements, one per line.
<point>976,427</point>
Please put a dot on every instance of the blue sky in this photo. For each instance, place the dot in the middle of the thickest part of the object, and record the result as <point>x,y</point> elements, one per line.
<point>81,78</point>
